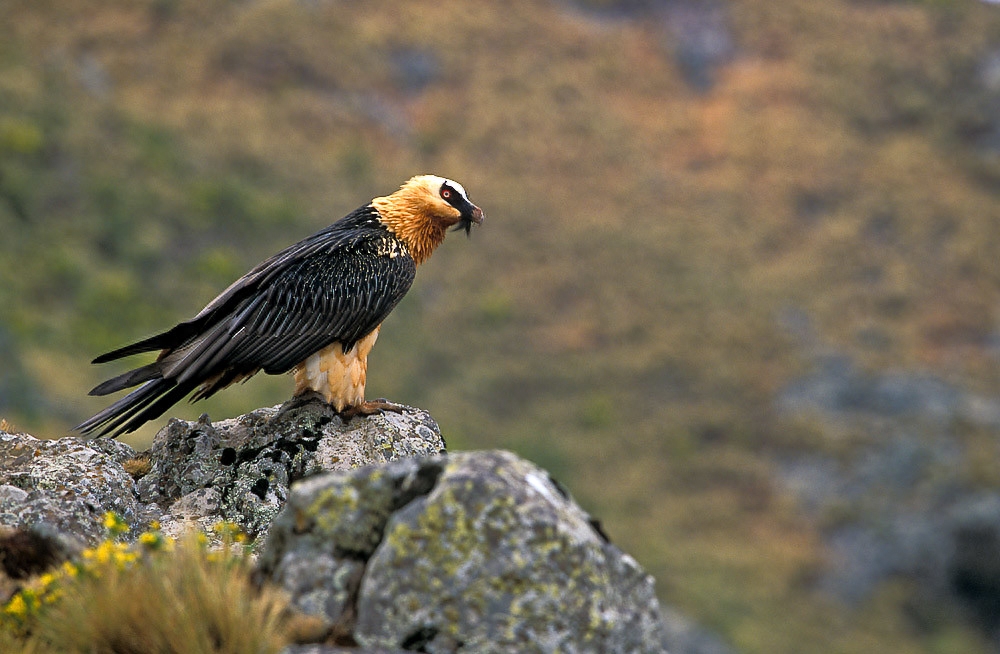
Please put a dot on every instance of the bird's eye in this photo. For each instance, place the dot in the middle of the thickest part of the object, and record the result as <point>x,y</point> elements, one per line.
<point>446,193</point>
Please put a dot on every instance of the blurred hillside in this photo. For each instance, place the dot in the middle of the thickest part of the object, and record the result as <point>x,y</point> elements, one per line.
<point>737,287</point>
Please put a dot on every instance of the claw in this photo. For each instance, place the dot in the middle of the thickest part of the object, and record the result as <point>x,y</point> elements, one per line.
<point>370,408</point>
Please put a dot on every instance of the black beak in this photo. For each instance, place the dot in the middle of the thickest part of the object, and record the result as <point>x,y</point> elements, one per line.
<point>472,215</point>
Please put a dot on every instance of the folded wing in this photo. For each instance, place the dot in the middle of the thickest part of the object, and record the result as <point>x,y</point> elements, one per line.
<point>336,286</point>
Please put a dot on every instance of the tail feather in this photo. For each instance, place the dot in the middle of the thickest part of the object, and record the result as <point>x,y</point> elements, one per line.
<point>163,383</point>
<point>154,408</point>
<point>129,379</point>
<point>145,403</point>
<point>110,418</point>
<point>150,344</point>
<point>169,339</point>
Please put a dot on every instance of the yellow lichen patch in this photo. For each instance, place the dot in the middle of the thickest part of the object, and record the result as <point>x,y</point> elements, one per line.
<point>329,505</point>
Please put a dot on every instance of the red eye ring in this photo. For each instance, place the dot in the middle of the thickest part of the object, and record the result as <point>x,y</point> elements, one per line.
<point>446,193</point>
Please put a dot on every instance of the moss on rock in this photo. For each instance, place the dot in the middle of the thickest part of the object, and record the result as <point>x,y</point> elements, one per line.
<point>478,551</point>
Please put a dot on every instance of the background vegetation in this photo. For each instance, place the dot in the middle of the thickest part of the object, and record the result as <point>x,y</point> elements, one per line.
<point>691,208</point>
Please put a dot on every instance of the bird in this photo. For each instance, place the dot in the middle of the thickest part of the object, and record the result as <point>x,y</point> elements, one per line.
<point>313,309</point>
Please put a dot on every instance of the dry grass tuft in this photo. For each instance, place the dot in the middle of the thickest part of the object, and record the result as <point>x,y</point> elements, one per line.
<point>182,599</point>
<point>139,466</point>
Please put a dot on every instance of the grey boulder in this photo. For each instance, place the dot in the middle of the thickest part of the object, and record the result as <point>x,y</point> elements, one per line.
<point>477,552</point>
<point>67,485</point>
<point>240,469</point>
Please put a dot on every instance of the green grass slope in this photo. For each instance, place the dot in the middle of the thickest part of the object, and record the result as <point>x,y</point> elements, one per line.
<point>622,316</point>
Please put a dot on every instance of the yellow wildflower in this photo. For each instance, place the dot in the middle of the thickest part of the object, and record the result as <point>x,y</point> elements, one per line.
<point>16,607</point>
<point>151,540</point>
<point>54,595</point>
<point>114,524</point>
<point>70,569</point>
<point>45,584</point>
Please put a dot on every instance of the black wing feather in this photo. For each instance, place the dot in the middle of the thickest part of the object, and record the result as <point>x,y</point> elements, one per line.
<point>335,286</point>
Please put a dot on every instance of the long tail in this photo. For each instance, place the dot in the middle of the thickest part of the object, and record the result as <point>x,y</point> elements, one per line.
<point>129,379</point>
<point>165,340</point>
<point>145,403</point>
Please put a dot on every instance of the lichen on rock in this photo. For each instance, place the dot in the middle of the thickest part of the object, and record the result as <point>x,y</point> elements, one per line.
<point>67,484</point>
<point>240,469</point>
<point>496,557</point>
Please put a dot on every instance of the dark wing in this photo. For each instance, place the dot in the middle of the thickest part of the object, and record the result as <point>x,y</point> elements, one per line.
<point>340,234</point>
<point>337,296</point>
<point>336,286</point>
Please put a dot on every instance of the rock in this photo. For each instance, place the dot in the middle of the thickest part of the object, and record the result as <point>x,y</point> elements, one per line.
<point>685,637</point>
<point>67,485</point>
<point>476,551</point>
<point>200,473</point>
<point>839,391</point>
<point>973,571</point>
<point>701,40</point>
<point>240,469</point>
<point>904,510</point>
<point>418,552</point>
<point>414,69</point>
<point>331,649</point>
<point>28,551</point>
<point>901,503</point>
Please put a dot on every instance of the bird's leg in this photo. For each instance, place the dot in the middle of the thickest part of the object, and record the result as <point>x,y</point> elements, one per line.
<point>371,407</point>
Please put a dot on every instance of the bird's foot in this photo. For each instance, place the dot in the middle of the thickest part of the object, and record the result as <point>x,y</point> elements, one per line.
<point>300,401</point>
<point>315,401</point>
<point>370,408</point>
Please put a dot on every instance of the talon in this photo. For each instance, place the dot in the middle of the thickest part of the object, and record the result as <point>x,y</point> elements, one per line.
<point>370,408</point>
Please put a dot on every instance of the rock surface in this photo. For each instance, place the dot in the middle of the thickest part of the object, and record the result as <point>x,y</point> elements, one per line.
<point>67,485</point>
<point>240,469</point>
<point>476,551</point>
<point>902,504</point>
<point>399,548</point>
<point>200,472</point>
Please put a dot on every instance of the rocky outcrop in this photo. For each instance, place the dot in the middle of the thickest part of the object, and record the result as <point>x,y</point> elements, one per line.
<point>67,485</point>
<point>901,503</point>
<point>390,544</point>
<point>196,473</point>
<point>478,552</point>
<point>241,469</point>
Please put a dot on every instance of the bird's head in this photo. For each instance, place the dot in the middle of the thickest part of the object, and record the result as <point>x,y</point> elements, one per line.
<point>422,210</point>
<point>444,201</point>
